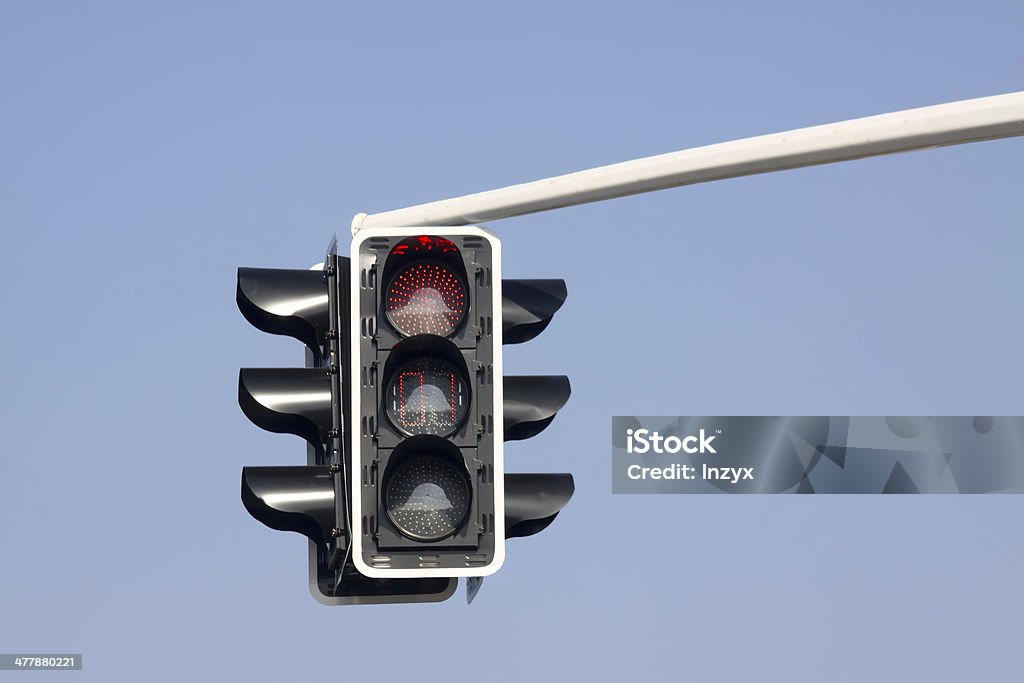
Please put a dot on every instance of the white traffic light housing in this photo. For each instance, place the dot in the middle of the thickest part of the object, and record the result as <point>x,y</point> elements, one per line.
<point>428,474</point>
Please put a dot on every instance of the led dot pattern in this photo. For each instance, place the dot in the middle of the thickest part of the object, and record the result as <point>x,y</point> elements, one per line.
<point>425,298</point>
<point>427,396</point>
<point>427,498</point>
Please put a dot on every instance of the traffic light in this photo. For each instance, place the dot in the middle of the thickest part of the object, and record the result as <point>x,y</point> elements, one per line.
<point>532,501</point>
<point>430,497</point>
<point>312,402</point>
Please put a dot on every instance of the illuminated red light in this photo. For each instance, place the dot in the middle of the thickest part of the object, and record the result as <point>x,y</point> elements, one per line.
<point>426,298</point>
<point>404,391</point>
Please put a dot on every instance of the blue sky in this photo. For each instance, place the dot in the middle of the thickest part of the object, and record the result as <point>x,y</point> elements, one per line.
<point>149,150</point>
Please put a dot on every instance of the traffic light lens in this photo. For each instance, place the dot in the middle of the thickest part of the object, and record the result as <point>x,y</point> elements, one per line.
<point>426,298</point>
<point>427,498</point>
<point>427,396</point>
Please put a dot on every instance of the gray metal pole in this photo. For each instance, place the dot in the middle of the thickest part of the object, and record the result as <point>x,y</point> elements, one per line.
<point>985,118</point>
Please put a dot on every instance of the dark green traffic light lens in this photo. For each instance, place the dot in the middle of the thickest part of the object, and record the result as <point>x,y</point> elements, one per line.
<point>427,497</point>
